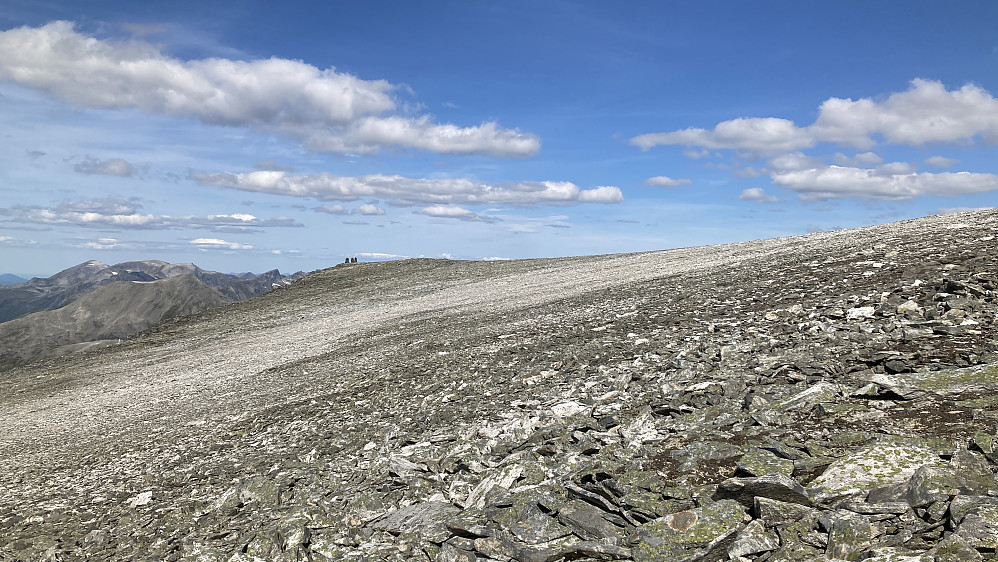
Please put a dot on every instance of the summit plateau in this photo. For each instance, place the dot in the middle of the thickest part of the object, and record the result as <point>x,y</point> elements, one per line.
<point>822,397</point>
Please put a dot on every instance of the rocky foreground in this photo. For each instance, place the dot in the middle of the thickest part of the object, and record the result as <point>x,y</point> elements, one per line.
<point>824,397</point>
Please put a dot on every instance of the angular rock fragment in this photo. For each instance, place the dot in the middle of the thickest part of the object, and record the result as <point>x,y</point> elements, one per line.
<point>426,520</point>
<point>753,539</point>
<point>773,486</point>
<point>848,534</point>
<point>953,548</point>
<point>701,534</point>
<point>761,462</point>
<point>979,527</point>
<point>878,465</point>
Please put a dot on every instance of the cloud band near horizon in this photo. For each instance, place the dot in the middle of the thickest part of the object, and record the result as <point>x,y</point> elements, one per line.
<point>406,191</point>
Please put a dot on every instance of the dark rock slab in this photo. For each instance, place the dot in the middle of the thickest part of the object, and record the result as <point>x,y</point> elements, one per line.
<point>773,486</point>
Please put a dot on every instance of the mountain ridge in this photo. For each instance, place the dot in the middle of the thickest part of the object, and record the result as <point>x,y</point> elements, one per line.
<point>111,312</point>
<point>51,293</point>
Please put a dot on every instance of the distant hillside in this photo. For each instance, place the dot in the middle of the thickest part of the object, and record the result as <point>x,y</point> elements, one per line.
<point>11,279</point>
<point>68,285</point>
<point>117,310</point>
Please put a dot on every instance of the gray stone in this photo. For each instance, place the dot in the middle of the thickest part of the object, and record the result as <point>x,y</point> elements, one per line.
<point>753,539</point>
<point>773,486</point>
<point>775,513</point>
<point>701,534</point>
<point>979,527</point>
<point>760,462</point>
<point>954,548</point>
<point>424,519</point>
<point>874,466</point>
<point>848,534</point>
<point>588,522</point>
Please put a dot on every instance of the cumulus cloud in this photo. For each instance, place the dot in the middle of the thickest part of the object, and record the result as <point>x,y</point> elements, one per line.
<point>404,191</point>
<point>112,167</point>
<point>794,161</point>
<point>941,162</point>
<point>925,113</point>
<point>113,213</point>
<point>331,209</point>
<point>758,195</point>
<point>218,244</point>
<point>666,181</point>
<point>369,209</point>
<point>757,134</point>
<point>454,212</point>
<point>834,182</point>
<point>326,110</point>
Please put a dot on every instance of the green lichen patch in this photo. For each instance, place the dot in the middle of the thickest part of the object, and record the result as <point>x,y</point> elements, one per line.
<point>955,380</point>
<point>877,465</point>
<point>760,462</point>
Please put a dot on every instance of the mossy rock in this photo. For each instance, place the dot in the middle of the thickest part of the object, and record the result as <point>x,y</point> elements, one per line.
<point>699,534</point>
<point>760,462</point>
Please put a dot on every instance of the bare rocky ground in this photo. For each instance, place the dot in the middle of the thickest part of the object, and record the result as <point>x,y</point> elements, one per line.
<point>823,397</point>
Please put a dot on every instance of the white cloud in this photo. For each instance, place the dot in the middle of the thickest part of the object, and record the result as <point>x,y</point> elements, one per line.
<point>696,154</point>
<point>10,241</point>
<point>380,256</point>
<point>666,181</point>
<point>324,109</point>
<point>862,159</point>
<point>757,135</point>
<point>941,162</point>
<point>749,172</point>
<point>114,213</point>
<point>112,167</point>
<point>895,169</point>
<point>102,244</point>
<point>218,244</point>
<point>835,182</point>
<point>331,209</point>
<point>758,195</point>
<point>454,212</point>
<point>369,209</point>
<point>925,113</point>
<point>794,161</point>
<point>411,191</point>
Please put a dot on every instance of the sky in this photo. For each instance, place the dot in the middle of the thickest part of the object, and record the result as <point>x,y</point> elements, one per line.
<point>247,136</point>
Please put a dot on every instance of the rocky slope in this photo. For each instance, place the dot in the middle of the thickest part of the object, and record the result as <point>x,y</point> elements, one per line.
<point>824,397</point>
<point>57,291</point>
<point>108,314</point>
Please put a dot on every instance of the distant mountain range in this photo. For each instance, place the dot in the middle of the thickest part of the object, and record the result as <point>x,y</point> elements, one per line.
<point>93,301</point>
<point>11,279</point>
<point>54,292</point>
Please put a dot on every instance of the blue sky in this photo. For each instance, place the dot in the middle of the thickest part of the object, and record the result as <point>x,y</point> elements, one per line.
<point>242,136</point>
